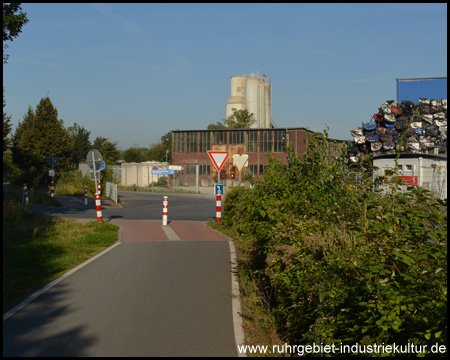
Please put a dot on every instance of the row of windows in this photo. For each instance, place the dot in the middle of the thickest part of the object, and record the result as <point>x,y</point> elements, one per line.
<point>269,140</point>
<point>203,169</point>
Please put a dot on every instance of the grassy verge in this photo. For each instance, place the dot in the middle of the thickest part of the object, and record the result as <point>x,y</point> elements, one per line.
<point>258,323</point>
<point>38,250</point>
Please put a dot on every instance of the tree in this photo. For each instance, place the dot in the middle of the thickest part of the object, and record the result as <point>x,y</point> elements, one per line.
<point>163,150</point>
<point>39,135</point>
<point>81,143</point>
<point>136,154</point>
<point>13,20</point>
<point>240,119</point>
<point>108,150</point>
<point>7,127</point>
<point>216,126</point>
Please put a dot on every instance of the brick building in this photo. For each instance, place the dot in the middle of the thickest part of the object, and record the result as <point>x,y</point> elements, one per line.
<point>189,147</point>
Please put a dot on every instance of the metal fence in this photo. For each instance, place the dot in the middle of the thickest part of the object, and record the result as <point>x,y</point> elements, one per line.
<point>111,191</point>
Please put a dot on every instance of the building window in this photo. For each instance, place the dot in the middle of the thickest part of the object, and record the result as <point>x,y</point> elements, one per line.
<point>220,137</point>
<point>205,170</point>
<point>279,140</point>
<point>178,142</point>
<point>237,137</point>
<point>265,141</point>
<point>252,141</point>
<point>191,142</point>
<point>205,141</point>
<point>253,169</point>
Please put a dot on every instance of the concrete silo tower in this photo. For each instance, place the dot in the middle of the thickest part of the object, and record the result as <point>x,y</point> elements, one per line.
<point>253,93</point>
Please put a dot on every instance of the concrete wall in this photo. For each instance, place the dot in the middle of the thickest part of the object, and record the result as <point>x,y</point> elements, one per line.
<point>140,174</point>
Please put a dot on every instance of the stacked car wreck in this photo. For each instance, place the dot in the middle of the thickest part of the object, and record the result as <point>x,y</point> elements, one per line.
<point>405,127</point>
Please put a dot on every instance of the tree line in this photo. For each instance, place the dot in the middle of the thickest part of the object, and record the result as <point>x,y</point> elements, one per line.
<point>42,133</point>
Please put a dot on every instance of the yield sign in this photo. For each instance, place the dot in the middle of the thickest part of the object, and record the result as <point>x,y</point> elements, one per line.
<point>219,158</point>
<point>240,161</point>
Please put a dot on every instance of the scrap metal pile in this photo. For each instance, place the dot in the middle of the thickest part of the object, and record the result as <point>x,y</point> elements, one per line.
<point>406,127</point>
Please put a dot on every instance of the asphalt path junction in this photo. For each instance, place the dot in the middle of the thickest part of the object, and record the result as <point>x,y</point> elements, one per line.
<point>136,205</point>
<point>159,291</point>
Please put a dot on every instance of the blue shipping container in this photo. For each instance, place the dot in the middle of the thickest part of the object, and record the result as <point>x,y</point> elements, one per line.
<point>414,89</point>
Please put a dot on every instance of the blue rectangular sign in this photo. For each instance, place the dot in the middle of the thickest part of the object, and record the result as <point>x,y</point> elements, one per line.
<point>163,172</point>
<point>218,188</point>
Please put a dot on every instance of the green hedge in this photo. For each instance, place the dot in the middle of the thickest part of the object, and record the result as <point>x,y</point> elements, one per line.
<point>344,263</point>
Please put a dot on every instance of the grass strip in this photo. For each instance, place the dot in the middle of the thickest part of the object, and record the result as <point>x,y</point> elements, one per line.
<point>258,323</point>
<point>38,250</point>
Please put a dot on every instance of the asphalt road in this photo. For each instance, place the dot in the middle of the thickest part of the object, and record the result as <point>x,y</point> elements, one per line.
<point>158,298</point>
<point>157,292</point>
<point>140,205</point>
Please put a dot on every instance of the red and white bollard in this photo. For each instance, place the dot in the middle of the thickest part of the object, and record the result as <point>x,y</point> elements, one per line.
<point>24,196</point>
<point>99,187</point>
<point>218,208</point>
<point>98,205</point>
<point>165,207</point>
<point>53,190</point>
<point>85,195</point>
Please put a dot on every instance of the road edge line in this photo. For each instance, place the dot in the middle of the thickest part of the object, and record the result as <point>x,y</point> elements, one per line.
<point>239,335</point>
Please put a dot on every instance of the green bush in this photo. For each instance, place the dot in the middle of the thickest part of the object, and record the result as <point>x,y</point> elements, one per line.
<point>343,262</point>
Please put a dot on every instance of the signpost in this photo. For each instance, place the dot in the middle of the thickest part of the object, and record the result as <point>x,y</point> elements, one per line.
<point>218,190</point>
<point>95,161</point>
<point>52,160</point>
<point>219,158</point>
<point>240,161</point>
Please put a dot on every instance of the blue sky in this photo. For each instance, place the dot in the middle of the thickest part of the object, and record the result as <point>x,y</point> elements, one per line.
<point>133,72</point>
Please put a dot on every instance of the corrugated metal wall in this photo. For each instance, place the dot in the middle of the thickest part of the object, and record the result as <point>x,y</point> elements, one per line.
<point>414,89</point>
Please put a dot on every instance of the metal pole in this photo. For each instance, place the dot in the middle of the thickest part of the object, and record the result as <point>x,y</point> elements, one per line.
<point>197,172</point>
<point>53,176</point>
<point>23,196</point>
<point>95,170</point>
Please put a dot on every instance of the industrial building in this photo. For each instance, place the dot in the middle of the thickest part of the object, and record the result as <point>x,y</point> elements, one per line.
<point>428,171</point>
<point>252,93</point>
<point>190,148</point>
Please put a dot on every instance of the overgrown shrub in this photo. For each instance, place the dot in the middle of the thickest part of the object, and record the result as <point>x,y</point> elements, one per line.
<point>343,262</point>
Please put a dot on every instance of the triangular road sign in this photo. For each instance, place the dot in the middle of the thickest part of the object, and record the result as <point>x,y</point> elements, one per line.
<point>240,161</point>
<point>219,158</point>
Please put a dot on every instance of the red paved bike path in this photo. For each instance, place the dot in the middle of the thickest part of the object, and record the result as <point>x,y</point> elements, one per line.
<point>149,230</point>
<point>152,230</point>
